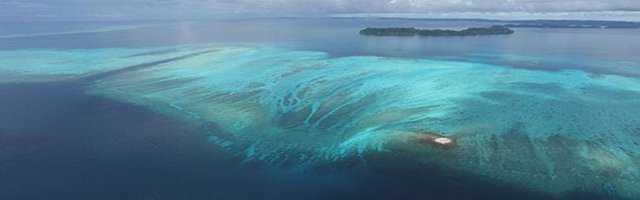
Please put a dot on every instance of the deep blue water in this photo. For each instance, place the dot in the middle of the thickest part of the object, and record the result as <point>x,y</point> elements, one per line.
<point>59,143</point>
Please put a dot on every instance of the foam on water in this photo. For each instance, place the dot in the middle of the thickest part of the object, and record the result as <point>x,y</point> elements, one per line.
<point>550,131</point>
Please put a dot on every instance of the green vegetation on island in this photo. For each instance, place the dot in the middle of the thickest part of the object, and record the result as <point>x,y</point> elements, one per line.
<point>493,30</point>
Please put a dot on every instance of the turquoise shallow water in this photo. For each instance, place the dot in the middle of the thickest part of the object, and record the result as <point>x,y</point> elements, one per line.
<point>552,131</point>
<point>81,31</point>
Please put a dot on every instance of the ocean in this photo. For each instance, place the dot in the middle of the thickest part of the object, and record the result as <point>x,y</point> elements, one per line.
<point>310,109</point>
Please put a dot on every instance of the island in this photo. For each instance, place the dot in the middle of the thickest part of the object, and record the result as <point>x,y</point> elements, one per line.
<point>573,24</point>
<point>493,30</point>
<point>543,23</point>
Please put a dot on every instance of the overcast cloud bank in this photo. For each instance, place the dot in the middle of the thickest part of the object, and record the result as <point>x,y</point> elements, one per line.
<point>16,10</point>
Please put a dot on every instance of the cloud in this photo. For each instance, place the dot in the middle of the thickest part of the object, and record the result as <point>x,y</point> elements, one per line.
<point>419,6</point>
<point>106,15</point>
<point>20,4</point>
<point>183,9</point>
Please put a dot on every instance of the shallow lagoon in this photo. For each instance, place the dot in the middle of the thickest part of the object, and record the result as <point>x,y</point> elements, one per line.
<point>553,131</point>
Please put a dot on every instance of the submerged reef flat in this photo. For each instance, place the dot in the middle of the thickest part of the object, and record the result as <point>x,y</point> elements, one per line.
<point>551,63</point>
<point>42,65</point>
<point>551,131</point>
<point>95,30</point>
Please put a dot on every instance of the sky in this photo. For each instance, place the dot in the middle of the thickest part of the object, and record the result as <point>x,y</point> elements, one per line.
<point>19,10</point>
